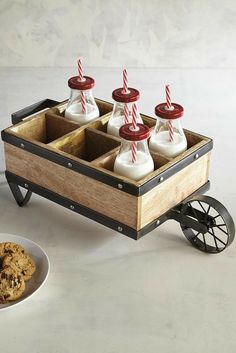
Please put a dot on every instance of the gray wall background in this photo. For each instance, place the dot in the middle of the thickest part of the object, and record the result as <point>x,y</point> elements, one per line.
<point>115,33</point>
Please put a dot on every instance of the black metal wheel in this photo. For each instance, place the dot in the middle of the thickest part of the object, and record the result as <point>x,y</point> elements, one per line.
<point>220,229</point>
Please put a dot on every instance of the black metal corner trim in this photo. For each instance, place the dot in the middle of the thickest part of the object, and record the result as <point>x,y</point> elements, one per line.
<point>32,109</point>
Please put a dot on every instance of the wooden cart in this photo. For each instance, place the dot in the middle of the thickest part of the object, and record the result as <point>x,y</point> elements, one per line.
<point>73,166</point>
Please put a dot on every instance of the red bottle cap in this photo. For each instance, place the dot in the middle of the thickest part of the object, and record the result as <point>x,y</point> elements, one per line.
<point>119,96</point>
<point>75,83</point>
<point>162,112</point>
<point>127,133</point>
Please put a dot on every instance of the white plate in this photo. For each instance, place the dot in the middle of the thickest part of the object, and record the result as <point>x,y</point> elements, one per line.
<point>42,267</point>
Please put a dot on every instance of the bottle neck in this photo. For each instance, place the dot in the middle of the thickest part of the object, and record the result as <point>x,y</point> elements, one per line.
<point>142,146</point>
<point>81,106</point>
<point>119,111</point>
<point>75,93</point>
<point>166,124</point>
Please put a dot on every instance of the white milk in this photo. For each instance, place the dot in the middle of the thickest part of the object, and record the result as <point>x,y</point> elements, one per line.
<point>137,170</point>
<point>74,112</point>
<point>160,143</point>
<point>114,125</point>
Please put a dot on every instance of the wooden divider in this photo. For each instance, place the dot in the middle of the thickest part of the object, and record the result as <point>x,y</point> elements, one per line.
<point>91,143</point>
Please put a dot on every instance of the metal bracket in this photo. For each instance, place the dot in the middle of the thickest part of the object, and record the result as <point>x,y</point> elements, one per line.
<point>187,220</point>
<point>18,196</point>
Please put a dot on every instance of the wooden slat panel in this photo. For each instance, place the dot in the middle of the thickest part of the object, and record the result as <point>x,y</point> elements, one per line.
<point>44,127</point>
<point>172,191</point>
<point>31,129</point>
<point>91,193</point>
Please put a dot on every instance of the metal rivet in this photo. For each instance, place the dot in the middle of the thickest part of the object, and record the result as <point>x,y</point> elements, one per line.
<point>26,186</point>
<point>22,145</point>
<point>157,222</point>
<point>70,165</point>
<point>72,207</point>
<point>119,229</point>
<point>120,186</point>
<point>196,156</point>
<point>161,179</point>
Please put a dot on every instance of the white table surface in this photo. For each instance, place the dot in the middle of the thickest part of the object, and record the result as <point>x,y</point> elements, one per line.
<point>107,293</point>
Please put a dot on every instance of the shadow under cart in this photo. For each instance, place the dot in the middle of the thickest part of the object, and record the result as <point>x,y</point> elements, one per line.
<point>73,166</point>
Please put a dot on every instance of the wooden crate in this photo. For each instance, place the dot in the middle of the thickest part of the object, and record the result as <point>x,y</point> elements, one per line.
<point>76,163</point>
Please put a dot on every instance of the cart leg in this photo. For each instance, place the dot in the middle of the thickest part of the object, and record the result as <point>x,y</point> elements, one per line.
<point>20,199</point>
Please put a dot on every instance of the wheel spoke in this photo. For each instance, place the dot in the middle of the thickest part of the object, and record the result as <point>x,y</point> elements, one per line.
<point>214,237</point>
<point>217,238</point>
<point>215,230</point>
<point>194,212</point>
<point>222,230</point>
<point>216,216</point>
<point>208,210</point>
<point>202,207</point>
<point>206,214</point>
<point>195,235</point>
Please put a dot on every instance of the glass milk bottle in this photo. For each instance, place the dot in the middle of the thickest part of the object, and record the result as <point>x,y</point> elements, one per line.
<point>121,114</point>
<point>134,160</point>
<point>81,106</point>
<point>168,137</point>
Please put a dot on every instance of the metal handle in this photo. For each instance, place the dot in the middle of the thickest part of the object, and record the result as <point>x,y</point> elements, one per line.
<point>31,109</point>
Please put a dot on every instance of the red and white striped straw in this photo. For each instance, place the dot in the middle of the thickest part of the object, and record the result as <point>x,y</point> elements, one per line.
<point>134,151</point>
<point>80,70</point>
<point>171,131</point>
<point>83,102</point>
<point>126,112</point>
<point>168,97</point>
<point>81,78</point>
<point>134,117</point>
<point>169,106</point>
<point>125,81</point>
<point>134,128</point>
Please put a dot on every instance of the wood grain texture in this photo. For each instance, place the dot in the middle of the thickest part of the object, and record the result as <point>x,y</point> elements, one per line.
<point>73,143</point>
<point>171,162</point>
<point>91,193</point>
<point>135,212</point>
<point>172,191</point>
<point>86,143</point>
<point>44,127</point>
<point>92,146</point>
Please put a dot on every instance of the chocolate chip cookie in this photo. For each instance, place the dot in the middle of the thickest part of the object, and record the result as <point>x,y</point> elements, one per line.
<point>20,263</point>
<point>12,285</point>
<point>10,248</point>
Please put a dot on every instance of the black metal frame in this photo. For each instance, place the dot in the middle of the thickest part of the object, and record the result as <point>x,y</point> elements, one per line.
<point>15,182</point>
<point>92,172</point>
<point>32,109</point>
